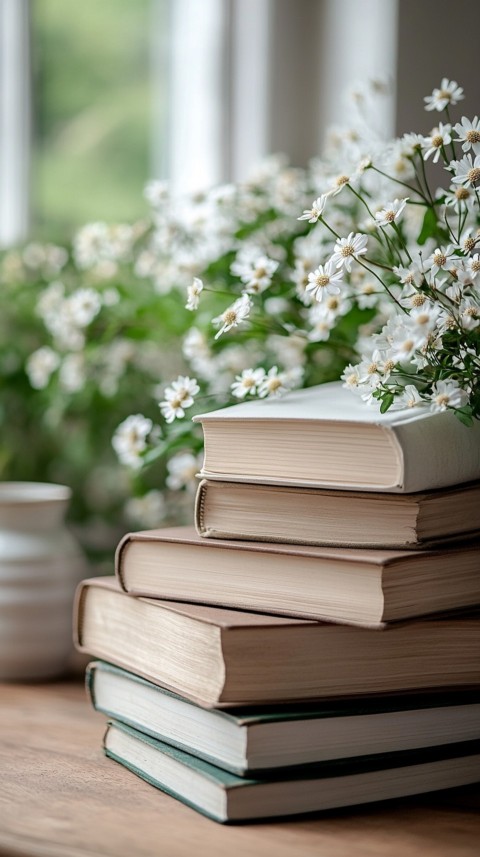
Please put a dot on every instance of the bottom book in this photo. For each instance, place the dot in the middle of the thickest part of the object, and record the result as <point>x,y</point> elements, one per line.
<point>226,797</point>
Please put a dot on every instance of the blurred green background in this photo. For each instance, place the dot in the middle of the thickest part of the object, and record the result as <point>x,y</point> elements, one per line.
<point>94,104</point>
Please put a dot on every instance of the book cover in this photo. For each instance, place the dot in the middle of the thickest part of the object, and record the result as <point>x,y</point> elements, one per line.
<point>336,518</point>
<point>325,437</point>
<point>261,740</point>
<point>224,658</point>
<point>357,586</point>
<point>226,797</point>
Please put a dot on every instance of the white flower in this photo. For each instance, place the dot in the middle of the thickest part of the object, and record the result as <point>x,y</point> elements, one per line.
<point>447,394</point>
<point>467,170</point>
<point>156,192</point>
<point>469,314</point>
<point>182,469</point>
<point>274,383</point>
<point>347,249</point>
<point>438,139</point>
<point>257,275</point>
<point>371,369</point>
<point>40,366</point>
<point>412,276</point>
<point>312,214</point>
<point>410,398</point>
<point>469,134</point>
<point>324,281</point>
<point>473,267</point>
<point>449,93</point>
<point>83,305</point>
<point>130,439</point>
<point>460,197</point>
<point>442,259</point>
<point>403,344</point>
<point>193,294</point>
<point>178,397</point>
<point>247,383</point>
<point>351,378</point>
<point>147,511</point>
<point>391,213</point>
<point>233,315</point>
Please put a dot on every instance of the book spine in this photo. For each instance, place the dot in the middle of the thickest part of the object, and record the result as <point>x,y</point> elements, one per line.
<point>438,452</point>
<point>199,510</point>
<point>119,558</point>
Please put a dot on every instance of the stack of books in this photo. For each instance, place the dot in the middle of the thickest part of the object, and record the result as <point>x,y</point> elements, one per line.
<point>315,641</point>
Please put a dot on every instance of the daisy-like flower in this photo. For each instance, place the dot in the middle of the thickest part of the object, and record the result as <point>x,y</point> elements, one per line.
<point>442,259</point>
<point>447,394</point>
<point>312,214</point>
<point>193,294</point>
<point>274,383</point>
<point>467,170</point>
<point>178,397</point>
<point>130,439</point>
<point>83,305</point>
<point>412,276</point>
<point>233,315</point>
<point>469,134</point>
<point>473,267</point>
<point>324,281</point>
<point>391,213</point>
<point>255,273</point>
<point>351,378</point>
<point>469,314</point>
<point>347,249</point>
<point>448,93</point>
<point>247,383</point>
<point>460,197</point>
<point>410,398</point>
<point>438,139</point>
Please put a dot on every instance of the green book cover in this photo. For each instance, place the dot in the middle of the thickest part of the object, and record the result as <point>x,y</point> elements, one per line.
<point>332,770</point>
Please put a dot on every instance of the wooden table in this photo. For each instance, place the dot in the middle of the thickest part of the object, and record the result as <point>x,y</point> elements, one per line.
<point>59,797</point>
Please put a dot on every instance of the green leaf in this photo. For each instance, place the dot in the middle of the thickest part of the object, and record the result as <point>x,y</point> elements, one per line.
<point>429,226</point>
<point>465,416</point>
<point>387,402</point>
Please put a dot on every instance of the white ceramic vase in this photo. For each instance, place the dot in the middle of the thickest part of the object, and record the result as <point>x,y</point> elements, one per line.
<point>40,566</point>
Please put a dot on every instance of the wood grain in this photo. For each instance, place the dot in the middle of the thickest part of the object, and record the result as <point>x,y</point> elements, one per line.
<point>59,797</point>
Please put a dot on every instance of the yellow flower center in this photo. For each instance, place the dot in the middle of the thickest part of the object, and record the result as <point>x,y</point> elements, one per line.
<point>444,93</point>
<point>372,369</point>
<point>469,244</point>
<point>462,193</point>
<point>230,316</point>
<point>341,180</point>
<point>389,365</point>
<point>473,136</point>
<point>332,303</point>
<point>439,259</point>
<point>475,266</point>
<point>437,141</point>
<point>418,300</point>
<point>407,345</point>
<point>473,175</point>
<point>322,280</point>
<point>348,250</point>
<point>274,384</point>
<point>442,399</point>
<point>390,216</point>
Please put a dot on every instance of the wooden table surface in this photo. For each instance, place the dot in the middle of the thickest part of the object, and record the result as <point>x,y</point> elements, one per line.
<point>59,797</point>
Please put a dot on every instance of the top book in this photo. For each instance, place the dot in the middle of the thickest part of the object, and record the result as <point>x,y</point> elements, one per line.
<point>327,438</point>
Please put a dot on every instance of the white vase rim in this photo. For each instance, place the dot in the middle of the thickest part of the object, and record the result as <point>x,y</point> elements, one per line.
<point>12,493</point>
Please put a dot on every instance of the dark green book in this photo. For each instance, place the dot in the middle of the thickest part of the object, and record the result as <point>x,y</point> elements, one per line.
<point>260,740</point>
<point>226,797</point>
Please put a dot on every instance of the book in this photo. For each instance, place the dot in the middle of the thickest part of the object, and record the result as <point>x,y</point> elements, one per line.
<point>325,437</point>
<point>351,585</point>
<point>220,657</point>
<point>315,516</point>
<point>257,740</point>
<point>226,797</point>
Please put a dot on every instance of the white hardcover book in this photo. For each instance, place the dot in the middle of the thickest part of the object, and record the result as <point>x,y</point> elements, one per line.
<point>326,437</point>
